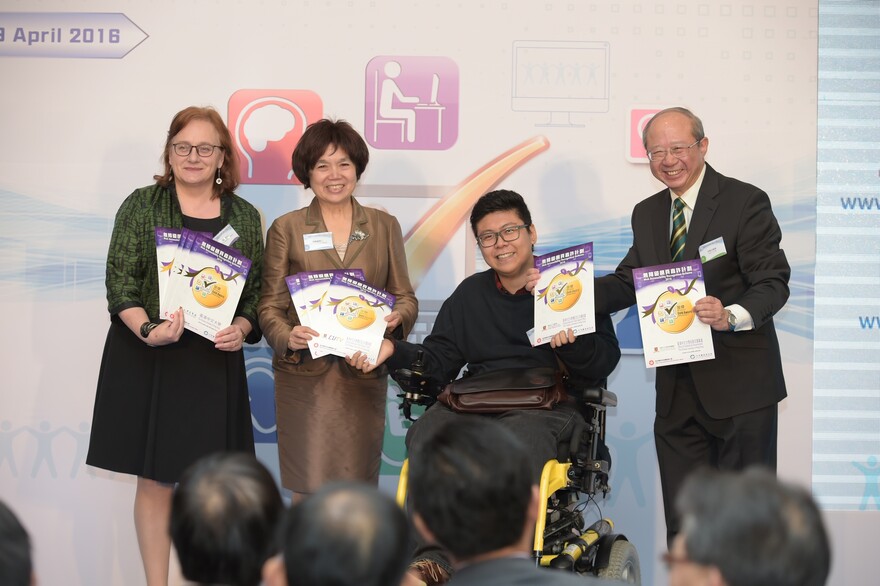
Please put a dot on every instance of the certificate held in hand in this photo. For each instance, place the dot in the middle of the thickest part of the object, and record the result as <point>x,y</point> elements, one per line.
<point>671,331</point>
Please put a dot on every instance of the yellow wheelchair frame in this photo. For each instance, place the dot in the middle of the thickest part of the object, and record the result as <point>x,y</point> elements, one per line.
<point>597,550</point>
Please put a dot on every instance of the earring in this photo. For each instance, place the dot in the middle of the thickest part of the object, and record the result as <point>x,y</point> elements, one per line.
<point>219,180</point>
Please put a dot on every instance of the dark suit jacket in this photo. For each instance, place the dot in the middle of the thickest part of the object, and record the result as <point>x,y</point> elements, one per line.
<point>746,373</point>
<point>519,572</point>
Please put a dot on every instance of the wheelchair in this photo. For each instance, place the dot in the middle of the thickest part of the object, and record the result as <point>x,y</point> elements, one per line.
<point>570,485</point>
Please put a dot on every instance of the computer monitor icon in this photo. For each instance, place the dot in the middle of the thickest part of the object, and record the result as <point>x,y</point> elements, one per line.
<point>560,77</point>
<point>435,90</point>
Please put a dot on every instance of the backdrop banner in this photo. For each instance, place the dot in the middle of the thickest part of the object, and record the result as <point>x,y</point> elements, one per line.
<point>454,99</point>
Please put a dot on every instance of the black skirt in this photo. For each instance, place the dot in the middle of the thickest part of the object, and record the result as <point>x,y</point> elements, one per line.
<point>158,410</point>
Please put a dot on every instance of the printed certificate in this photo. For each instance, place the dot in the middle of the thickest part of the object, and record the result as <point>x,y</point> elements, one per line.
<point>295,286</point>
<point>167,240</point>
<point>215,276</point>
<point>307,292</point>
<point>564,294</point>
<point>671,332</point>
<point>352,317</point>
<point>175,288</point>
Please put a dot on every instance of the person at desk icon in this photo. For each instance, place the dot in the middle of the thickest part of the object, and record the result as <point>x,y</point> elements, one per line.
<point>391,97</point>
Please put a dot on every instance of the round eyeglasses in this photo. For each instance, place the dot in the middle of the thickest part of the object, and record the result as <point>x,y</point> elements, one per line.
<point>509,234</point>
<point>679,152</point>
<point>183,149</point>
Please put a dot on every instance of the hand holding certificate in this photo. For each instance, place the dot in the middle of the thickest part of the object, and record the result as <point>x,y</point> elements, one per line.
<point>352,317</point>
<point>564,295</point>
<point>671,332</point>
<point>201,275</point>
<point>307,292</point>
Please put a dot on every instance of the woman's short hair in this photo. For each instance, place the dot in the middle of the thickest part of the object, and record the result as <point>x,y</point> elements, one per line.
<point>318,137</point>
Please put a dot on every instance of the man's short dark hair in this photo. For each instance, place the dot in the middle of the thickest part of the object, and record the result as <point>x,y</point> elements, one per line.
<point>471,483</point>
<point>224,514</point>
<point>16,567</point>
<point>755,529</point>
<point>500,200</point>
<point>346,534</point>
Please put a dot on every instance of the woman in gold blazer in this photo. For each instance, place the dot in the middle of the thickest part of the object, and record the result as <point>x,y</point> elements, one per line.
<point>330,417</point>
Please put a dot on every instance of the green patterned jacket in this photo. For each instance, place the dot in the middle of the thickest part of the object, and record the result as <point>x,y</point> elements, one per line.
<point>132,279</point>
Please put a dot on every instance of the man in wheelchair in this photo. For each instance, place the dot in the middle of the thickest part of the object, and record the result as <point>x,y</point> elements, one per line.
<point>484,327</point>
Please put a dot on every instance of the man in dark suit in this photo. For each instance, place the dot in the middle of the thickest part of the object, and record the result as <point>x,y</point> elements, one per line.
<point>720,412</point>
<point>472,491</point>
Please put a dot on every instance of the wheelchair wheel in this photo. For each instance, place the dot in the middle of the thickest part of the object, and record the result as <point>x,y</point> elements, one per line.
<point>623,563</point>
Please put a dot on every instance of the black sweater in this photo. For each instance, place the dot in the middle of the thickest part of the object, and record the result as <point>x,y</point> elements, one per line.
<point>485,329</point>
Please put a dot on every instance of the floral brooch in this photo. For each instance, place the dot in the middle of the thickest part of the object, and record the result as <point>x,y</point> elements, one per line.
<point>357,235</point>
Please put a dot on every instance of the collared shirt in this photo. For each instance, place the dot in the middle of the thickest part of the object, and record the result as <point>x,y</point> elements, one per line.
<point>522,290</point>
<point>689,198</point>
<point>743,317</point>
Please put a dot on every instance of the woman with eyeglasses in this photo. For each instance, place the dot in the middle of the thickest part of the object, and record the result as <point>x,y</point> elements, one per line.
<point>167,396</point>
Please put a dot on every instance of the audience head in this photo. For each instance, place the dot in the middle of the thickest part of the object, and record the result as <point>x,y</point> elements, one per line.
<point>748,529</point>
<point>224,514</point>
<point>16,568</point>
<point>346,534</point>
<point>500,200</point>
<point>471,486</point>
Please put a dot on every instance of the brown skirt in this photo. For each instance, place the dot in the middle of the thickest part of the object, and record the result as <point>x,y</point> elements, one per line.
<point>330,427</point>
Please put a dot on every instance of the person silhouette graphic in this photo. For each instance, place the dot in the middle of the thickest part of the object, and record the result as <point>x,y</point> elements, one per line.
<point>391,91</point>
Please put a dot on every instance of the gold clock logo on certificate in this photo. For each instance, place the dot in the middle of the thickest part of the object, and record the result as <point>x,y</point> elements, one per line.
<point>355,314</point>
<point>563,292</point>
<point>209,288</point>
<point>674,312</point>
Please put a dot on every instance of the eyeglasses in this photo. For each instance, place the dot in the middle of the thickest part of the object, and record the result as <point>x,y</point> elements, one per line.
<point>509,234</point>
<point>679,152</point>
<point>671,559</point>
<point>183,149</point>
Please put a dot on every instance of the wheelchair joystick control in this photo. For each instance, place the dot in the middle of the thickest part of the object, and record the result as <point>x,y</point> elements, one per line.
<point>412,382</point>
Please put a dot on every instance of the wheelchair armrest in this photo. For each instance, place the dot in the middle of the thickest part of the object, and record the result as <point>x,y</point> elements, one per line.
<point>594,396</point>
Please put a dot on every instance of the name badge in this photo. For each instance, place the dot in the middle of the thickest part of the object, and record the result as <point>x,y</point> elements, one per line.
<point>318,241</point>
<point>227,235</point>
<point>712,250</point>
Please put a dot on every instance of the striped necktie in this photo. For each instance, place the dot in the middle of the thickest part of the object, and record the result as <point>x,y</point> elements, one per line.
<point>679,231</point>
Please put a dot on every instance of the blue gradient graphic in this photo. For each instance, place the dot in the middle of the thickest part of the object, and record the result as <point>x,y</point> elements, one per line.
<point>52,249</point>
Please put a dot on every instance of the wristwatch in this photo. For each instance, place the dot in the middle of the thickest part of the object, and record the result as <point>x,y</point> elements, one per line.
<point>148,327</point>
<point>731,320</point>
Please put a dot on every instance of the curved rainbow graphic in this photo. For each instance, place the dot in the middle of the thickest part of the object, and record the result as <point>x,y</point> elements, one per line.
<point>425,241</point>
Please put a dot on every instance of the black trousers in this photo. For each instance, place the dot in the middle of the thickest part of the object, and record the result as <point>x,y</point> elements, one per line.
<point>687,438</point>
